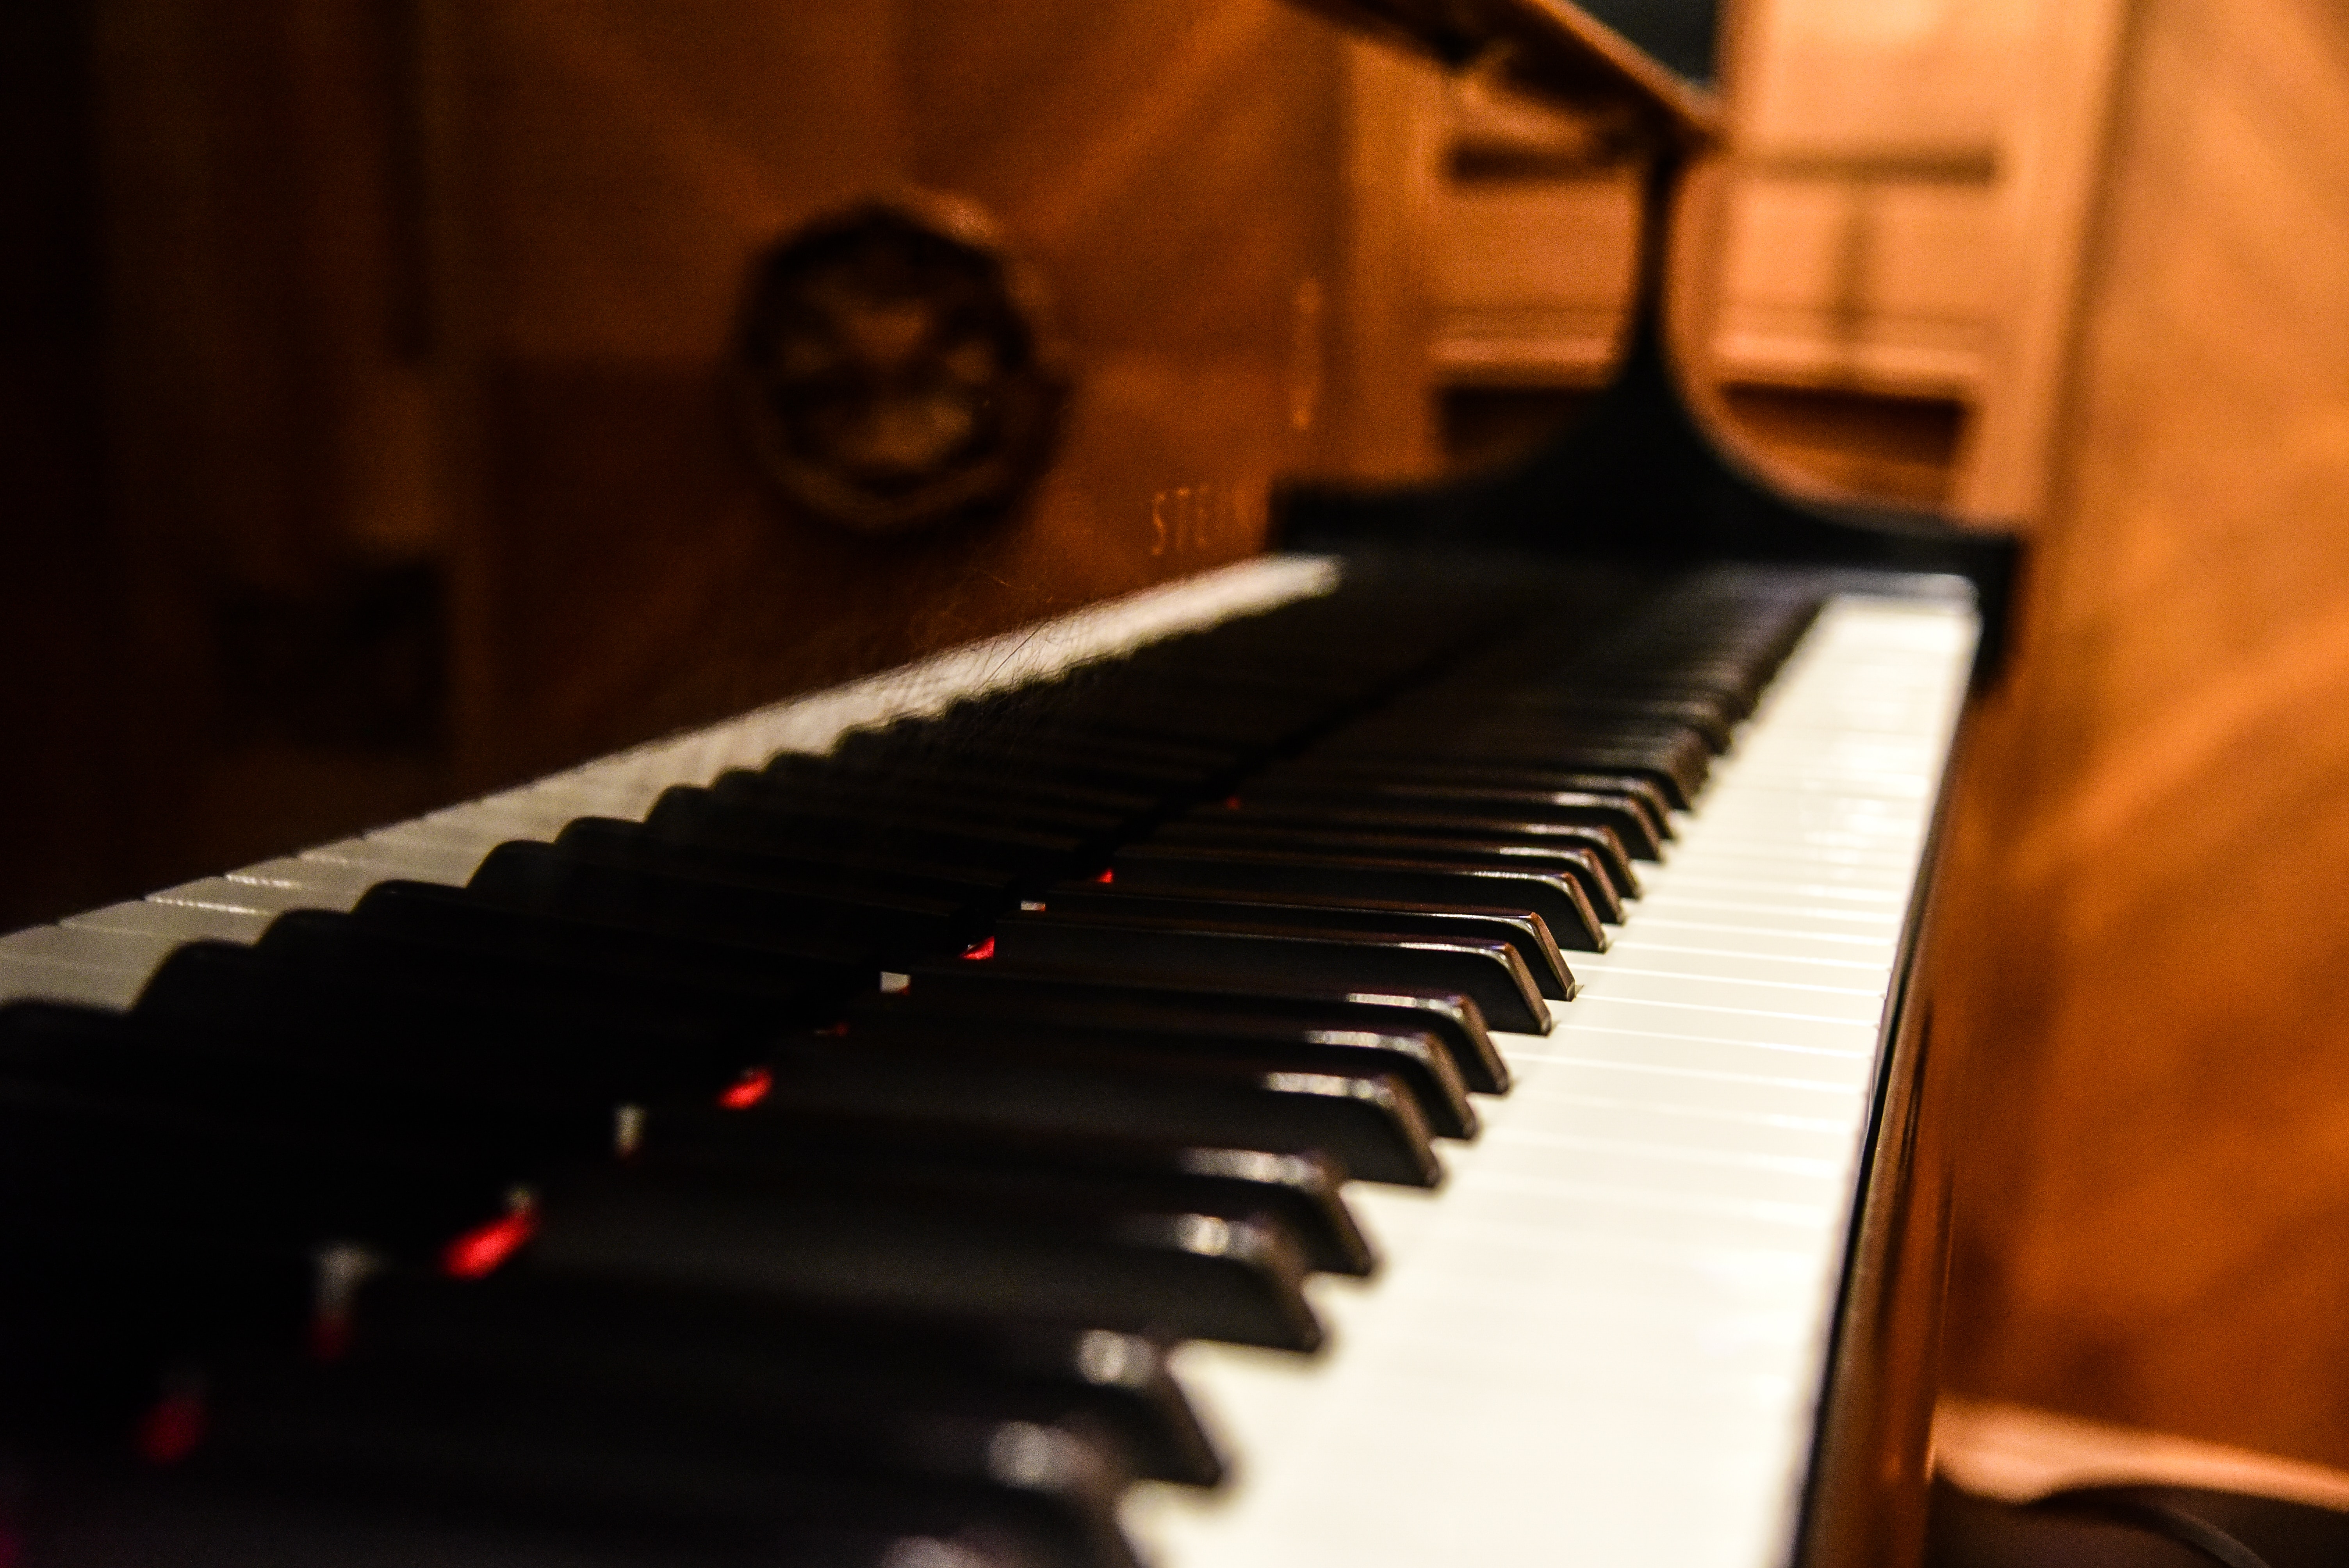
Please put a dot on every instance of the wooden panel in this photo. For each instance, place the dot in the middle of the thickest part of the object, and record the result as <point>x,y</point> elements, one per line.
<point>1532,278</point>
<point>1851,280</point>
<point>1909,184</point>
<point>68,778</point>
<point>1169,171</point>
<point>437,295</point>
<point>2154,1212</point>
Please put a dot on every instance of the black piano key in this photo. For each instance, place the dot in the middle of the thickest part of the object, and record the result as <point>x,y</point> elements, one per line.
<point>560,1052</point>
<point>533,1451</point>
<point>1617,814</point>
<point>1557,897</point>
<point>740,909</point>
<point>1186,1276</point>
<point>114,1174</point>
<point>1418,1060</point>
<point>458,948</point>
<point>1364,1121</point>
<point>1010,1165</point>
<point>669,1338</point>
<point>1677,765</point>
<point>829,774</point>
<point>1608,880</point>
<point>1394,843</point>
<point>1573,707</point>
<point>1317,771</point>
<point>245,1070</point>
<point>219,1521</point>
<point>1523,930</point>
<point>821,869</point>
<point>1058,759</point>
<point>498,940</point>
<point>1090,829</point>
<point>694,816</point>
<point>1077,1001</point>
<point>1143,947</point>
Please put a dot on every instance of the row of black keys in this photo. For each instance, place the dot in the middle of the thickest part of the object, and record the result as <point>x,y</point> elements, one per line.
<point>1164,952</point>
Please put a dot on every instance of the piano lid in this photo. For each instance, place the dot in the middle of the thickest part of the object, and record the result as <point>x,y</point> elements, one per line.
<point>1647,64</point>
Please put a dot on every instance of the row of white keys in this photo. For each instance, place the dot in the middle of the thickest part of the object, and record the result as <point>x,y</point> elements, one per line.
<point>1602,1342</point>
<point>104,958</point>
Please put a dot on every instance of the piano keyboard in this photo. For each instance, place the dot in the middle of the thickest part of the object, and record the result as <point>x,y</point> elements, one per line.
<point>1288,907</point>
<point>1603,1341</point>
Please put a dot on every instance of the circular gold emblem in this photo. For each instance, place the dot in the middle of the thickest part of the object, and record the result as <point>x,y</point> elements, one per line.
<point>894,370</point>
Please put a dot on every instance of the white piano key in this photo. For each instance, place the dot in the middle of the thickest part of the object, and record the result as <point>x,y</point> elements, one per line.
<point>1792,962</point>
<point>1763,941</point>
<point>173,921</point>
<point>87,966</point>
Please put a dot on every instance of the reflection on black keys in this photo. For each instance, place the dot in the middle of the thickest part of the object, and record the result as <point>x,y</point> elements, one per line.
<point>1074,1001</point>
<point>1318,772</point>
<point>1677,765</point>
<point>1186,1276</point>
<point>1368,1124</point>
<point>1416,1060</point>
<point>1557,897</point>
<point>1620,814</point>
<point>1143,947</point>
<point>1389,843</point>
<point>1014,1164</point>
<point>1521,929</point>
<point>1607,879</point>
<point>1582,707</point>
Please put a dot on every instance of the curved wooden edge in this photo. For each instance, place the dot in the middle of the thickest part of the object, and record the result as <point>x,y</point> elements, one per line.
<point>2017,1453</point>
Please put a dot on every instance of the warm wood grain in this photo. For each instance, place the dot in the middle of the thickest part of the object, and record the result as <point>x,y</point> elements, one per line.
<point>1170,172</point>
<point>448,288</point>
<point>2154,1224</point>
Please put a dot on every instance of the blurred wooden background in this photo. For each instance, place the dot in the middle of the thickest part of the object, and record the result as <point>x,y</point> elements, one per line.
<point>364,452</point>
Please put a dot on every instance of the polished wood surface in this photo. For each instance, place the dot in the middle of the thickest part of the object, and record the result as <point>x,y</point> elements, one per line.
<point>407,471</point>
<point>2146,974</point>
<point>1168,172</point>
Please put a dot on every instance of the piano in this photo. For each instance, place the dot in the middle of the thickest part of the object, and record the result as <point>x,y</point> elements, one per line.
<point>1406,1049</point>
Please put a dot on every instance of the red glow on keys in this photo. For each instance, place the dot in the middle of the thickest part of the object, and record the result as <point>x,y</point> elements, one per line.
<point>984,950</point>
<point>172,1428</point>
<point>1231,802</point>
<point>1106,877</point>
<point>835,1030</point>
<point>480,1250</point>
<point>748,1089</point>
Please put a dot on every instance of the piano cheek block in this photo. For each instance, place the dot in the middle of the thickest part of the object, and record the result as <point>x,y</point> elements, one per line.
<point>1186,1276</point>
<point>1490,973</point>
